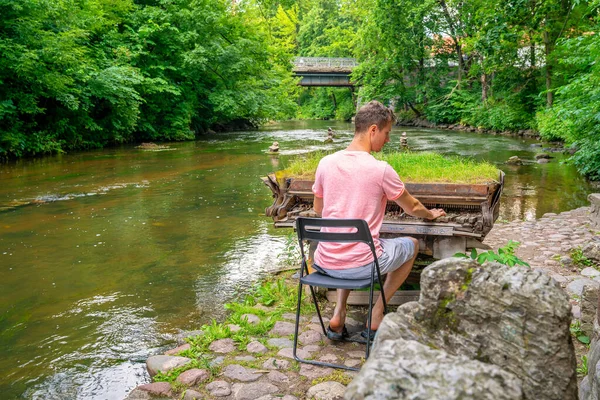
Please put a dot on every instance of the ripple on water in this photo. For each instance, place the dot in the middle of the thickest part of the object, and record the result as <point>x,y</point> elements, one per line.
<point>106,356</point>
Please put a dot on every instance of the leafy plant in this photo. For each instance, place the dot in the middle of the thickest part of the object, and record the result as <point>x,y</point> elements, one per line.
<point>212,332</point>
<point>278,293</point>
<point>290,256</point>
<point>241,339</point>
<point>583,369</point>
<point>579,334</point>
<point>506,255</point>
<point>579,259</point>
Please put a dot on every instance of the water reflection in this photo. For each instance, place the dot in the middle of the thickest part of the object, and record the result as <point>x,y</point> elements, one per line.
<point>122,248</point>
<point>96,369</point>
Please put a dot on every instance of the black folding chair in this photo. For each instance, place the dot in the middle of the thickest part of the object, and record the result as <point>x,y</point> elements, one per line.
<point>310,229</point>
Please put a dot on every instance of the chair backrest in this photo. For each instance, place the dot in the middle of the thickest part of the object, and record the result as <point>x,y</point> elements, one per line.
<point>310,229</point>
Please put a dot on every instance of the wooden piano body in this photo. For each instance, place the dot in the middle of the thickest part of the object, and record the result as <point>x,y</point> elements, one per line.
<point>471,211</point>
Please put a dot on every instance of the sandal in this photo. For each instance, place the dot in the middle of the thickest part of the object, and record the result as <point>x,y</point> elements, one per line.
<point>365,332</point>
<point>337,336</point>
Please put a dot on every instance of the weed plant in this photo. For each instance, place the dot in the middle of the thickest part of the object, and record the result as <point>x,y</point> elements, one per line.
<point>412,167</point>
<point>579,260</point>
<point>506,255</point>
<point>583,369</point>
<point>579,334</point>
<point>290,256</point>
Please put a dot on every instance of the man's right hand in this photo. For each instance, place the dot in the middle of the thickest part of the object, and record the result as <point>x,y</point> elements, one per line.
<point>436,212</point>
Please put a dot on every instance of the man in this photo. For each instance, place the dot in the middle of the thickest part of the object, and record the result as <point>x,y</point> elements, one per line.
<point>353,184</point>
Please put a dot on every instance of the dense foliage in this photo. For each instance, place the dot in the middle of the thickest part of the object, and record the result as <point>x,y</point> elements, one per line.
<point>575,116</point>
<point>502,65</point>
<point>85,73</point>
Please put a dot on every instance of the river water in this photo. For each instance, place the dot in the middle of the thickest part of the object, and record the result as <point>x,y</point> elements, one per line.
<point>121,249</point>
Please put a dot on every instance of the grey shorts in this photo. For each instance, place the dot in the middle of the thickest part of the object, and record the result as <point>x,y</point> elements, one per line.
<point>396,252</point>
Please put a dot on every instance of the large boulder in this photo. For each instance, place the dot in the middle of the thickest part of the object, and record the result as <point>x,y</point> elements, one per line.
<point>160,363</point>
<point>589,388</point>
<point>407,369</point>
<point>589,307</point>
<point>493,325</point>
<point>592,251</point>
<point>594,199</point>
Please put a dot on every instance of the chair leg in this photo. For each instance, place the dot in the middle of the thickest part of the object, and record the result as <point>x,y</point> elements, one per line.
<point>297,325</point>
<point>369,316</point>
<point>314,296</point>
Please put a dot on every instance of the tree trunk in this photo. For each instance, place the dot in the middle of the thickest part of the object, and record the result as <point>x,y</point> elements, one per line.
<point>354,99</point>
<point>484,87</point>
<point>548,50</point>
<point>417,113</point>
<point>460,62</point>
<point>334,101</point>
<point>454,36</point>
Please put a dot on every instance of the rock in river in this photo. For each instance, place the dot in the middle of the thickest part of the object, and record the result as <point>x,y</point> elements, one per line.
<point>161,363</point>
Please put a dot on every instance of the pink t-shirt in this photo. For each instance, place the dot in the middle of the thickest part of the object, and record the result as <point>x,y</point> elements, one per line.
<point>353,184</point>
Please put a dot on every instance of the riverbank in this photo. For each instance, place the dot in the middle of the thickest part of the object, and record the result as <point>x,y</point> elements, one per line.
<point>422,123</point>
<point>249,355</point>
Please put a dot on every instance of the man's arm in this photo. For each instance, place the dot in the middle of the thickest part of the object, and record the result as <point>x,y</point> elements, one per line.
<point>318,205</point>
<point>414,207</point>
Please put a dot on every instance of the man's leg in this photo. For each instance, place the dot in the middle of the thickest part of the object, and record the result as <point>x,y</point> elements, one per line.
<point>394,280</point>
<point>336,323</point>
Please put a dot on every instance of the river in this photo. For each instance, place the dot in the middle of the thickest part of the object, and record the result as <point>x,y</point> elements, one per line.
<point>121,249</point>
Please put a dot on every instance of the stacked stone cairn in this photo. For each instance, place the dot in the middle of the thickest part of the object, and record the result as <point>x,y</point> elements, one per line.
<point>477,332</point>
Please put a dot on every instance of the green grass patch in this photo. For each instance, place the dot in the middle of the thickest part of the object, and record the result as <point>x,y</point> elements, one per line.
<point>412,167</point>
<point>337,376</point>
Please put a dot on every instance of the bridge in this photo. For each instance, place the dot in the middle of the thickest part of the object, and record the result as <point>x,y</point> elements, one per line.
<point>324,71</point>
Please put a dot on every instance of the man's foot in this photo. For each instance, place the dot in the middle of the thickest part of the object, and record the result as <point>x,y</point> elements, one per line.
<point>337,323</point>
<point>376,319</point>
<point>365,333</point>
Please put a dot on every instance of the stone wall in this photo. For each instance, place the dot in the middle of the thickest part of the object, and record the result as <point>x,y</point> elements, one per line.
<point>589,388</point>
<point>594,199</point>
<point>477,332</point>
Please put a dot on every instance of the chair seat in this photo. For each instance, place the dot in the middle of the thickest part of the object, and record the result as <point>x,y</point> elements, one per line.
<point>322,280</point>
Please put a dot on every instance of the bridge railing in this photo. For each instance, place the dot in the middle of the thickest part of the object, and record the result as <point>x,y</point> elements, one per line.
<point>325,62</point>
